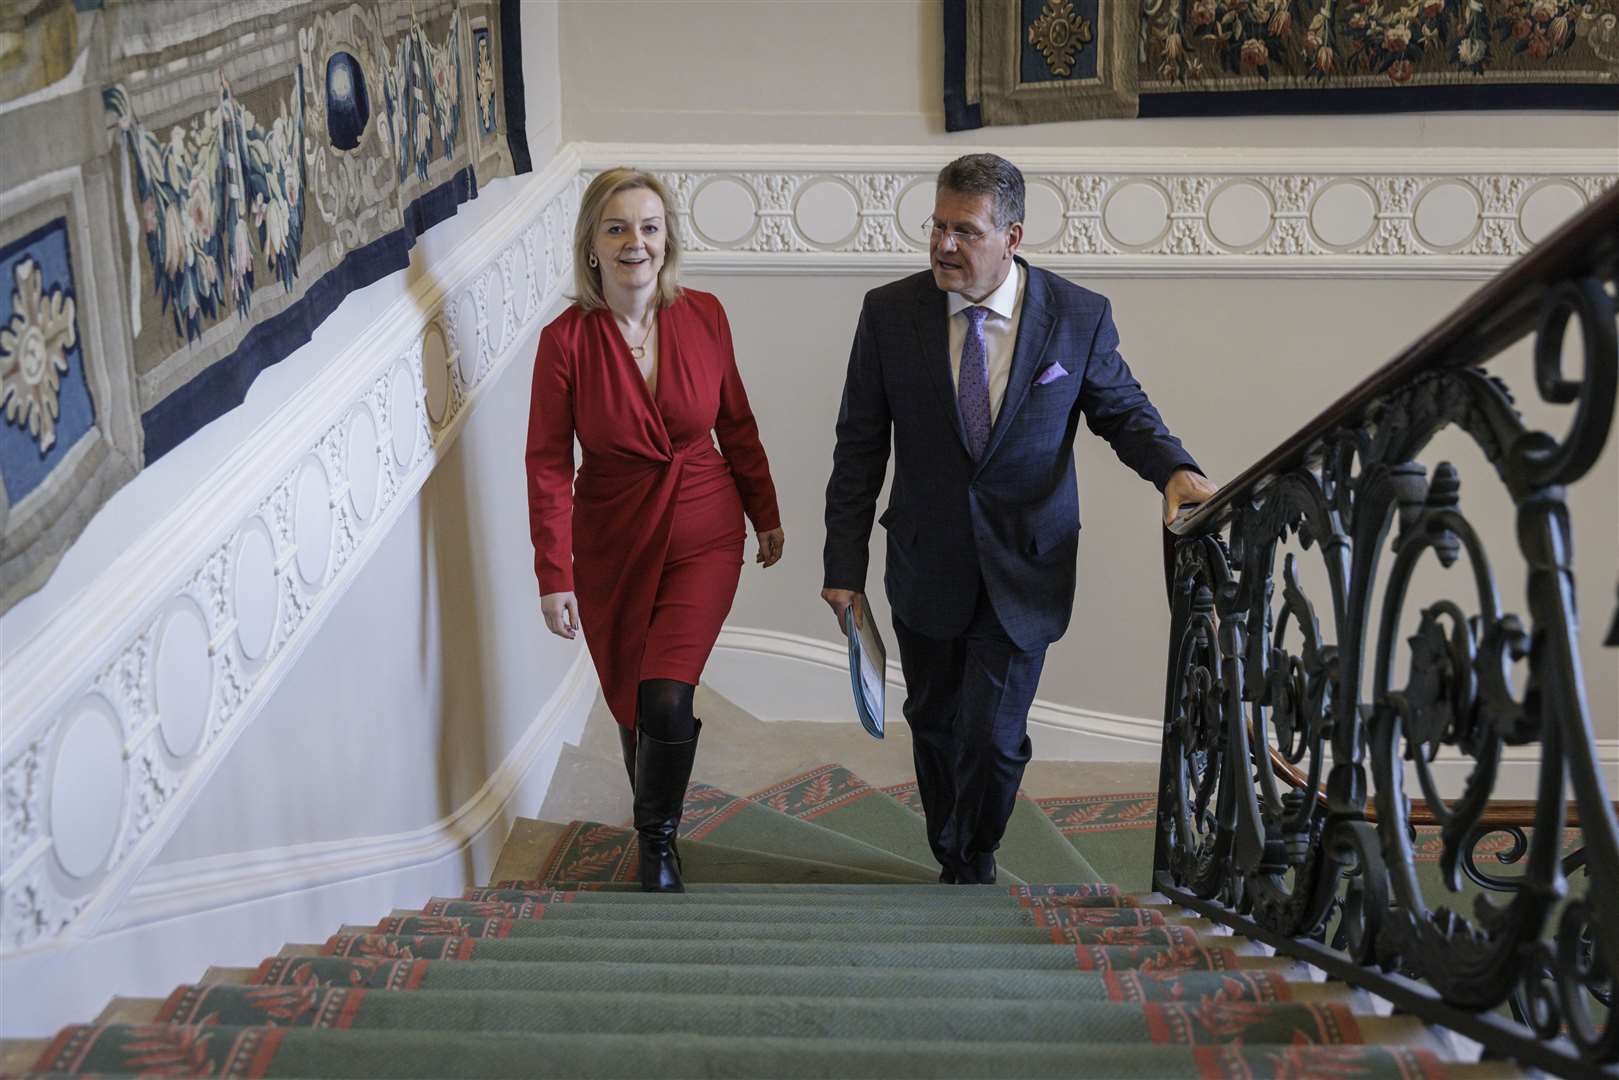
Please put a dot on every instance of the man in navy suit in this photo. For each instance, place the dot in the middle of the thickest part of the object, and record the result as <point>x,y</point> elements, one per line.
<point>979,369</point>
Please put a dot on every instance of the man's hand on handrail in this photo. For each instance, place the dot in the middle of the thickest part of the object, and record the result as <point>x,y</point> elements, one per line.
<point>1186,486</point>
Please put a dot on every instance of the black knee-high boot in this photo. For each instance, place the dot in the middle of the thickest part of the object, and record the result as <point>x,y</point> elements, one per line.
<point>662,770</point>
<point>626,742</point>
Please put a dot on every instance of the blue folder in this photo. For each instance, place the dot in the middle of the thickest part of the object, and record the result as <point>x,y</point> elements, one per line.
<point>868,670</point>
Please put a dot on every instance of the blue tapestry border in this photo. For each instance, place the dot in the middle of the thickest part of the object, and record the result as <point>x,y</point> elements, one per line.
<point>1392,99</point>
<point>224,385</point>
<point>959,114</point>
<point>511,65</point>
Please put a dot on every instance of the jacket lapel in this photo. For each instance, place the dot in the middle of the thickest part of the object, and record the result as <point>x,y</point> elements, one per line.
<point>933,331</point>
<point>1033,333</point>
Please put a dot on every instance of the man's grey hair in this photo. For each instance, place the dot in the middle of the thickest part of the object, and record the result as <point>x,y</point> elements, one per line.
<point>987,174</point>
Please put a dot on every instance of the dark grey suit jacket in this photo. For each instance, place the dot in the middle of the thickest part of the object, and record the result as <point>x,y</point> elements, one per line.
<point>1012,518</point>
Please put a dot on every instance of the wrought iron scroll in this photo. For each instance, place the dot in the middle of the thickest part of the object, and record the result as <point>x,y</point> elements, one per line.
<point>1263,673</point>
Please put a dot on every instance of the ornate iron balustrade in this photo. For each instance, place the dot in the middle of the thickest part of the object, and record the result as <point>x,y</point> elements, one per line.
<point>1284,808</point>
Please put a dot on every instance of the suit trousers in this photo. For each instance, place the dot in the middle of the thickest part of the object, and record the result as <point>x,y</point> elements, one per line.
<point>967,702</point>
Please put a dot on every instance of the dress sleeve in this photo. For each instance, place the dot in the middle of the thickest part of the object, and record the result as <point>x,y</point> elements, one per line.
<point>739,441</point>
<point>548,464</point>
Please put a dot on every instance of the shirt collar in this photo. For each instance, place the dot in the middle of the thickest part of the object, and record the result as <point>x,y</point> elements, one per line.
<point>1003,301</point>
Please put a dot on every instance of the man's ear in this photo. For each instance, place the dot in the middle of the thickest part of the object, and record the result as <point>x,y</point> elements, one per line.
<point>1014,237</point>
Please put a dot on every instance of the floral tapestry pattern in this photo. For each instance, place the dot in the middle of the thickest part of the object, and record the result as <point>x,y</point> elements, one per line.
<point>255,167</point>
<point>1107,58</point>
<point>208,194</point>
<point>34,348</point>
<point>1248,44</point>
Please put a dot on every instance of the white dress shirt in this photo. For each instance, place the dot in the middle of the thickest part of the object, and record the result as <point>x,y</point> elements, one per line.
<point>1000,334</point>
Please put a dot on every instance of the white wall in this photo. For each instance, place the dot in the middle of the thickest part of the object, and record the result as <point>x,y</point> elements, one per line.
<point>854,71</point>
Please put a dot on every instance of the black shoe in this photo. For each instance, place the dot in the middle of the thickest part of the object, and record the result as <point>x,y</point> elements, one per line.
<point>626,742</point>
<point>947,876</point>
<point>979,870</point>
<point>662,770</point>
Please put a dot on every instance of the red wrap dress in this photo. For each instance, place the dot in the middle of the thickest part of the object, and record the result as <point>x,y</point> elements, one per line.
<point>649,536</point>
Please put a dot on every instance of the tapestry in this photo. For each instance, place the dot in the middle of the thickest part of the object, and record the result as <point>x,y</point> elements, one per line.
<point>1029,61</point>
<point>191,188</point>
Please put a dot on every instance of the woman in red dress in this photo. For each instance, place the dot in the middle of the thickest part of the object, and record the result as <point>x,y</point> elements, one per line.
<point>643,549</point>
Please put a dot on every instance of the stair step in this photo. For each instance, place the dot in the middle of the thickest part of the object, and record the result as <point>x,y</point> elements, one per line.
<point>798,954</point>
<point>720,817</point>
<point>130,1010</point>
<point>229,976</point>
<point>623,929</point>
<point>1007,913</point>
<point>873,893</point>
<point>933,899</point>
<point>834,798</point>
<point>764,981</point>
<point>593,850</point>
<point>408,1054</point>
<point>1206,1021</point>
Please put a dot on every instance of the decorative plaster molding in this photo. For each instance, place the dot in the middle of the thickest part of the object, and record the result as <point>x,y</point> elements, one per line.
<point>256,558</point>
<point>1130,212</point>
<point>176,890</point>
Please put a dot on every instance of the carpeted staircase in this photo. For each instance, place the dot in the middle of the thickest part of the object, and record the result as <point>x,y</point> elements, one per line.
<point>813,942</point>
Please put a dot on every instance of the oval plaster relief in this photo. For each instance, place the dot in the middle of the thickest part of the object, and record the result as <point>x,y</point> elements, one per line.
<point>255,596</point>
<point>723,211</point>
<point>87,789</point>
<point>827,212</point>
<point>1136,214</point>
<point>312,522</point>
<point>183,677</point>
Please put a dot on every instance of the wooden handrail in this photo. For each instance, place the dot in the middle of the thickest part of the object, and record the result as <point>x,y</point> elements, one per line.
<point>1490,320</point>
<point>1499,813</point>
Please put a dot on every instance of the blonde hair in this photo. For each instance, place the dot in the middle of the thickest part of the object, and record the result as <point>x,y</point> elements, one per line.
<point>587,280</point>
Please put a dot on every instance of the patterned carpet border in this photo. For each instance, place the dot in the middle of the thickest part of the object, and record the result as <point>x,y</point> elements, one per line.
<point>706,809</point>
<point>591,851</point>
<point>906,795</point>
<point>819,791</point>
<point>1076,814</point>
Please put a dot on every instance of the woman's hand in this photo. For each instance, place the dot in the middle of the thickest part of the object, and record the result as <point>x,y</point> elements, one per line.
<point>561,613</point>
<point>770,546</point>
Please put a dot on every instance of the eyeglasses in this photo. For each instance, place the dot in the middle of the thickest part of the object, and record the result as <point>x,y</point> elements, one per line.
<point>963,237</point>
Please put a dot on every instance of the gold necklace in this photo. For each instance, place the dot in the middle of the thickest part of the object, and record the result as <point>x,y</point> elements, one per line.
<point>639,351</point>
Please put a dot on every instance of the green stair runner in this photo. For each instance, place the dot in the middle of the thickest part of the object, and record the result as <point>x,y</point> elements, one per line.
<point>811,943</point>
<point>771,981</point>
<point>119,1049</point>
<point>722,818</point>
<point>1033,847</point>
<point>571,1011</point>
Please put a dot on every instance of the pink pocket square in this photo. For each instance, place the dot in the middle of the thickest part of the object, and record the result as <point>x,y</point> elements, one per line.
<point>1051,374</point>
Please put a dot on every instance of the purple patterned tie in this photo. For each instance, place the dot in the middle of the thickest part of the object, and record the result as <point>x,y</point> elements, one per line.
<point>972,383</point>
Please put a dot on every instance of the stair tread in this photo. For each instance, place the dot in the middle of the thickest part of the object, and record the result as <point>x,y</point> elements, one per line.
<point>593,849</point>
<point>1006,913</point>
<point>644,929</point>
<point>1207,1019</point>
<point>834,798</point>
<point>130,1010</point>
<point>361,1053</point>
<point>1033,846</point>
<point>1001,984</point>
<point>799,953</point>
